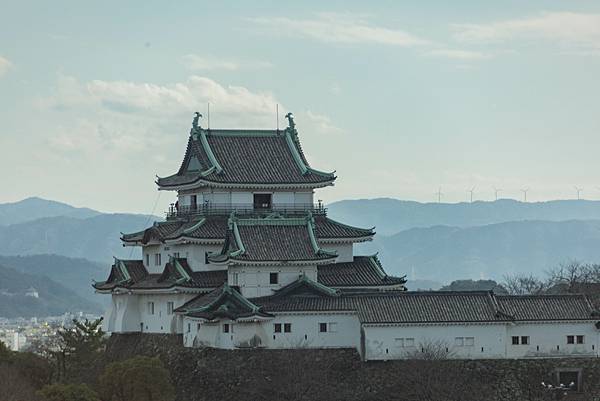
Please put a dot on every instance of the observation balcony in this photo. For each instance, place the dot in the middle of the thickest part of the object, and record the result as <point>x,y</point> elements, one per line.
<point>185,211</point>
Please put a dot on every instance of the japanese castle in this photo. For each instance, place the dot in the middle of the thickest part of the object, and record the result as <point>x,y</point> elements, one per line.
<point>247,259</point>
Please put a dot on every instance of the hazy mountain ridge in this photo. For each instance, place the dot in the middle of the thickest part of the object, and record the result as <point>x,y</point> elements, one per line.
<point>444,253</point>
<point>391,216</point>
<point>95,238</point>
<point>54,299</point>
<point>35,208</point>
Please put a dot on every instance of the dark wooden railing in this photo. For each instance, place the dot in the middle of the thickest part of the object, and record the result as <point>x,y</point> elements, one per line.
<point>243,209</point>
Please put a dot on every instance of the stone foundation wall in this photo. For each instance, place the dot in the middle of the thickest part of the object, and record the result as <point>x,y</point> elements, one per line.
<point>209,374</point>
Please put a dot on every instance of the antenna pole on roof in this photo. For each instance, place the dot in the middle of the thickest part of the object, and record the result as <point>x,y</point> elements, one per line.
<point>208,115</point>
<point>277,115</point>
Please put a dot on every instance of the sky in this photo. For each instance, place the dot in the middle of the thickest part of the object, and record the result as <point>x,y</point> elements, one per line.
<point>402,99</point>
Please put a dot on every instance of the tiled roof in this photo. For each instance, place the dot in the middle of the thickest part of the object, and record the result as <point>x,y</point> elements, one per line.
<point>546,307</point>
<point>170,277</point>
<point>396,306</point>
<point>223,302</point>
<point>214,227</point>
<point>328,228</point>
<point>205,228</point>
<point>122,273</point>
<point>272,239</point>
<point>362,271</point>
<point>244,157</point>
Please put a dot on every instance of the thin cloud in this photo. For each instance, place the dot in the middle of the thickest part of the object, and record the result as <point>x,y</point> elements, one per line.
<point>322,124</point>
<point>578,31</point>
<point>340,28</point>
<point>466,55</point>
<point>196,62</point>
<point>5,65</point>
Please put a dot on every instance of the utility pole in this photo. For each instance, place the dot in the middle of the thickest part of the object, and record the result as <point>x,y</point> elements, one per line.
<point>439,194</point>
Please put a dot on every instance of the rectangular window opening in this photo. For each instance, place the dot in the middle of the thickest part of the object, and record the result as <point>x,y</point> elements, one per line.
<point>262,201</point>
<point>322,327</point>
<point>515,340</point>
<point>580,339</point>
<point>226,328</point>
<point>570,339</point>
<point>524,340</point>
<point>277,328</point>
<point>273,278</point>
<point>170,308</point>
<point>287,327</point>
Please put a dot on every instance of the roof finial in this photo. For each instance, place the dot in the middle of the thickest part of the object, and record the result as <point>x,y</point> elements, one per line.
<point>291,123</point>
<point>195,125</point>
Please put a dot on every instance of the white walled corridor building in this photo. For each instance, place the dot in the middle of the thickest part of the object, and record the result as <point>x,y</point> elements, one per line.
<point>246,259</point>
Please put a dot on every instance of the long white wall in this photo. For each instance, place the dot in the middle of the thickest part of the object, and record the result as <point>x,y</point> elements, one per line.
<point>398,342</point>
<point>343,331</point>
<point>254,281</point>
<point>550,339</point>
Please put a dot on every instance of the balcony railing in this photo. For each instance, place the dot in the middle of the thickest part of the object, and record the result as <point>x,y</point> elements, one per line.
<point>244,209</point>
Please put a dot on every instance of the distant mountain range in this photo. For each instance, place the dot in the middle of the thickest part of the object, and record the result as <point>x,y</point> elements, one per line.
<point>431,243</point>
<point>28,295</point>
<point>443,253</point>
<point>79,233</point>
<point>35,208</point>
<point>390,216</point>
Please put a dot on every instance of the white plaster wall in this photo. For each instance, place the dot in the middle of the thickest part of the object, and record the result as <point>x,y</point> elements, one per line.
<point>381,344</point>
<point>304,197</point>
<point>254,280</point>
<point>345,251</point>
<point>305,332</point>
<point>285,198</point>
<point>126,314</point>
<point>161,321</point>
<point>151,250</point>
<point>193,252</point>
<point>544,338</point>
<point>245,197</point>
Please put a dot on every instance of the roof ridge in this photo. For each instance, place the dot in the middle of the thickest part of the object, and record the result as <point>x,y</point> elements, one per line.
<point>349,226</point>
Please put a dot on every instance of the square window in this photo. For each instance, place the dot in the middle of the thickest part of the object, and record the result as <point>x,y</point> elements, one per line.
<point>322,327</point>
<point>580,339</point>
<point>287,327</point>
<point>459,341</point>
<point>515,340</point>
<point>570,339</point>
<point>409,342</point>
<point>524,340</point>
<point>277,328</point>
<point>273,278</point>
<point>262,201</point>
<point>170,308</point>
<point>469,341</point>
<point>226,328</point>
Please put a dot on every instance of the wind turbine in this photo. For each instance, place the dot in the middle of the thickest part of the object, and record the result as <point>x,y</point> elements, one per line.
<point>439,194</point>
<point>471,191</point>
<point>525,190</point>
<point>579,191</point>
<point>496,191</point>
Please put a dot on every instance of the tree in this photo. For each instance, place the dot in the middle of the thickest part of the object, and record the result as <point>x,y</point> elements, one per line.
<point>77,349</point>
<point>68,392</point>
<point>136,379</point>
<point>524,285</point>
